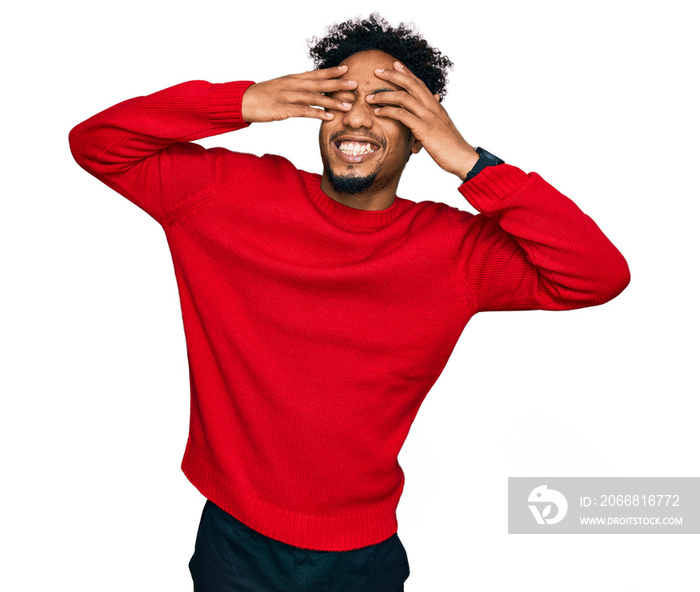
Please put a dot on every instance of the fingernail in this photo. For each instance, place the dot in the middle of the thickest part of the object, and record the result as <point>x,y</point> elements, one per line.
<point>370,97</point>
<point>379,70</point>
<point>347,105</point>
<point>399,65</point>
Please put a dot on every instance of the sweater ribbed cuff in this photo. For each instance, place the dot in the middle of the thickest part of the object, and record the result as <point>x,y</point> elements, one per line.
<point>225,101</point>
<point>491,186</point>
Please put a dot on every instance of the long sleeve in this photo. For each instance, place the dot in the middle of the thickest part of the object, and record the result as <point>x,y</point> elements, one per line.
<point>141,147</point>
<point>531,247</point>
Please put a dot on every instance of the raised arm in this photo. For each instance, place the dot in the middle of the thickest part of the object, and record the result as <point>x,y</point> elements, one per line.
<point>532,247</point>
<point>142,147</point>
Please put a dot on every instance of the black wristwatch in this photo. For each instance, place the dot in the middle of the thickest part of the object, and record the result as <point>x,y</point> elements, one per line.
<point>486,159</point>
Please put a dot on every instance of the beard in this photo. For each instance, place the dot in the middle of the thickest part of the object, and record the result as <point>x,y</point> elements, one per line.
<point>349,184</point>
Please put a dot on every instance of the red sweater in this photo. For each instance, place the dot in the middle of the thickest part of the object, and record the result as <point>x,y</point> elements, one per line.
<point>315,330</point>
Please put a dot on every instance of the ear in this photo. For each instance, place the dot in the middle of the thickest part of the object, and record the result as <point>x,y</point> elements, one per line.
<point>415,145</point>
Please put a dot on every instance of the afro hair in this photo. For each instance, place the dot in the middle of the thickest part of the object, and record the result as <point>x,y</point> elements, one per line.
<point>403,43</point>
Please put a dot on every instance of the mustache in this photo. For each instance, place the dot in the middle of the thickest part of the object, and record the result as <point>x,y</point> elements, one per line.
<point>360,133</point>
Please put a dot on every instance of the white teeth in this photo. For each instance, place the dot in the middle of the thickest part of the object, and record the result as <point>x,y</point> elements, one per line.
<point>355,148</point>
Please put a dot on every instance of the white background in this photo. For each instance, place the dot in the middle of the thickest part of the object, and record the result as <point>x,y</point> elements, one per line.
<point>599,97</point>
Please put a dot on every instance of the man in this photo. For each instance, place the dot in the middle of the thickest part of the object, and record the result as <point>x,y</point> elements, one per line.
<point>320,310</point>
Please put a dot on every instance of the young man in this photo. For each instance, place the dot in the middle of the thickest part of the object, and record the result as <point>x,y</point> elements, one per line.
<point>320,309</point>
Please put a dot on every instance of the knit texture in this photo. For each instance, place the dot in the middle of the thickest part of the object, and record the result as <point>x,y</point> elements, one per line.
<point>315,330</point>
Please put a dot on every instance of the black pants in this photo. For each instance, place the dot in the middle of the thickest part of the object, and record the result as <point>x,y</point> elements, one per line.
<point>231,557</point>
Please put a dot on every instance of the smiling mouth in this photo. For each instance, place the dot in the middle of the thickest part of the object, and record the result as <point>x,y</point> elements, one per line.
<point>355,150</point>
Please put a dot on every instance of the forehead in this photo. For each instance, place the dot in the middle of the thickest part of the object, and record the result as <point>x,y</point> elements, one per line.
<point>361,66</point>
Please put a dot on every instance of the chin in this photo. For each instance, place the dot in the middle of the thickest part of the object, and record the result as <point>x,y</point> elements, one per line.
<point>350,184</point>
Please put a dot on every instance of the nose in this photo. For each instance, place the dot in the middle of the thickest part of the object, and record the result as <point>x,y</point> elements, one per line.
<point>360,114</point>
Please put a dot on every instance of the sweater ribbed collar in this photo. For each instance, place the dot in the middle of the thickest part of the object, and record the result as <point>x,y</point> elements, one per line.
<point>352,217</point>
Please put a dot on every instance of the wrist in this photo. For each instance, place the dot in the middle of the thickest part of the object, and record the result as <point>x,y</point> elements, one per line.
<point>467,160</point>
<point>486,159</point>
<point>247,102</point>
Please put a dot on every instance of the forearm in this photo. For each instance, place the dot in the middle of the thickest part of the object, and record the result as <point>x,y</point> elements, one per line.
<point>132,130</point>
<point>138,148</point>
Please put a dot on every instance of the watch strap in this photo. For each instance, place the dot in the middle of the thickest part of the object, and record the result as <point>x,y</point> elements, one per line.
<point>486,159</point>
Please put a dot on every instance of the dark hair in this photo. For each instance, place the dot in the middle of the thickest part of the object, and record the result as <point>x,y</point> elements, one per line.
<point>403,43</point>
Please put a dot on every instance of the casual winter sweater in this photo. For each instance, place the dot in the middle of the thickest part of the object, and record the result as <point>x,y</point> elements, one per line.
<point>315,330</point>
